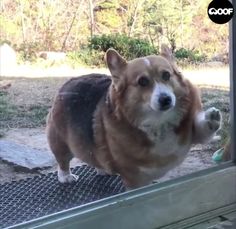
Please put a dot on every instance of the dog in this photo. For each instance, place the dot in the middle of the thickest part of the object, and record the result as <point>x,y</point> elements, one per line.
<point>140,122</point>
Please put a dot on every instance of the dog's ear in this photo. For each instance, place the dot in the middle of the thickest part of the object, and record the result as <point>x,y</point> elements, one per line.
<point>167,53</point>
<point>115,62</point>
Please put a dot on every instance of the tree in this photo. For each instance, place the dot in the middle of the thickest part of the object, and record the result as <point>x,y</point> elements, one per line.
<point>68,25</point>
<point>167,23</point>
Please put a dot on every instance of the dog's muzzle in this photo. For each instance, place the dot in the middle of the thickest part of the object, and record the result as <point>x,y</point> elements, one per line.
<point>162,98</point>
<point>165,102</point>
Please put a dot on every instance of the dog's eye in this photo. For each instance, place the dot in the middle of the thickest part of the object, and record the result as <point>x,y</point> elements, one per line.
<point>143,81</point>
<point>165,76</point>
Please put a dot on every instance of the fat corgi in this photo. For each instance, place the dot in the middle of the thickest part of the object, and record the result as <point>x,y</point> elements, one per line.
<point>140,122</point>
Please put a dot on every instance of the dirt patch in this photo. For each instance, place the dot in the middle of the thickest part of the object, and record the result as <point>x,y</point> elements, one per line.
<point>40,91</point>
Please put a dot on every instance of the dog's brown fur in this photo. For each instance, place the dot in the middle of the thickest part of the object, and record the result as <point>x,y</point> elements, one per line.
<point>227,153</point>
<point>117,142</point>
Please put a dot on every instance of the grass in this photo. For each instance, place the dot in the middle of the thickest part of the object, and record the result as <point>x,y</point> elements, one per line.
<point>13,116</point>
<point>7,110</point>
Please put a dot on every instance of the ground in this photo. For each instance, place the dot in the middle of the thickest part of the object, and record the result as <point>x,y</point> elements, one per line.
<point>25,104</point>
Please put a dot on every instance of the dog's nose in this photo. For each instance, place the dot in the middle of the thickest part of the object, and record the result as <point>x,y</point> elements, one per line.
<point>165,101</point>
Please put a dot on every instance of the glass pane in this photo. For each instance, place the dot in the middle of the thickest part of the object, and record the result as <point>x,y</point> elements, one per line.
<point>133,116</point>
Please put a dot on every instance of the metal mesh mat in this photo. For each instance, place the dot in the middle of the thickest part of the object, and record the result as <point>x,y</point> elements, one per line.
<point>28,199</point>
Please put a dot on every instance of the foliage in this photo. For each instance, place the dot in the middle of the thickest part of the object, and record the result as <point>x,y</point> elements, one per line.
<point>86,57</point>
<point>168,24</point>
<point>128,47</point>
<point>28,52</point>
<point>189,55</point>
<point>68,25</point>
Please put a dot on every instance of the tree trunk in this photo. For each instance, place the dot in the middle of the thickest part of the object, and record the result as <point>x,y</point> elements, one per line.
<point>71,26</point>
<point>138,6</point>
<point>91,18</point>
<point>22,21</point>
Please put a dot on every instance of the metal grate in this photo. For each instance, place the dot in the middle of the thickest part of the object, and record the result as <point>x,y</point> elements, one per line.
<point>28,199</point>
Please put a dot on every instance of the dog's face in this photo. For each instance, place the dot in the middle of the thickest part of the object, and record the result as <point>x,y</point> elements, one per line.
<point>146,87</point>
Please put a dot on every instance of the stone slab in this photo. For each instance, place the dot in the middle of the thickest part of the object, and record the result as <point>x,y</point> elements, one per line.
<point>25,156</point>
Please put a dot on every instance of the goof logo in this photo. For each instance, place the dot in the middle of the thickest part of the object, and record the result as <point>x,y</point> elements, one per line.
<point>220,11</point>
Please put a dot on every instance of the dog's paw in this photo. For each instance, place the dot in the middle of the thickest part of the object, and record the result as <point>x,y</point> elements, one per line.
<point>213,118</point>
<point>67,178</point>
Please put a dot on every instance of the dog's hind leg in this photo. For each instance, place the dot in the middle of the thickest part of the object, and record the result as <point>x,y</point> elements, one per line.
<point>63,156</point>
<point>206,125</point>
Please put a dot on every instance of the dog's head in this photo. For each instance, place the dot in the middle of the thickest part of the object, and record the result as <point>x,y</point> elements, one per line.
<point>145,87</point>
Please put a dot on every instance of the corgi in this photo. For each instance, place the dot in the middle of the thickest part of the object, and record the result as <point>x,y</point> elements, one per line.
<point>140,122</point>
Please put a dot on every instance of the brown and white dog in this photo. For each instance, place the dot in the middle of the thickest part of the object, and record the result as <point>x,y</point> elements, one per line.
<point>139,123</point>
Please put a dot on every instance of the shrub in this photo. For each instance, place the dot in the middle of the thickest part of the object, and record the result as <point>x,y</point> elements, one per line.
<point>28,51</point>
<point>190,56</point>
<point>86,57</point>
<point>5,42</point>
<point>128,47</point>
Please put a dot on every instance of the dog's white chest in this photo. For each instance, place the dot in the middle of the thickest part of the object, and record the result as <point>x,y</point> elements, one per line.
<point>166,143</point>
<point>165,140</point>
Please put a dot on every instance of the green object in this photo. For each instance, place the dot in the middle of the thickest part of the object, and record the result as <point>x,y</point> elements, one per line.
<point>217,156</point>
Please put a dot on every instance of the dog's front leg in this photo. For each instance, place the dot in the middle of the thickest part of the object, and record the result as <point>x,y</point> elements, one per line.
<point>206,125</point>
